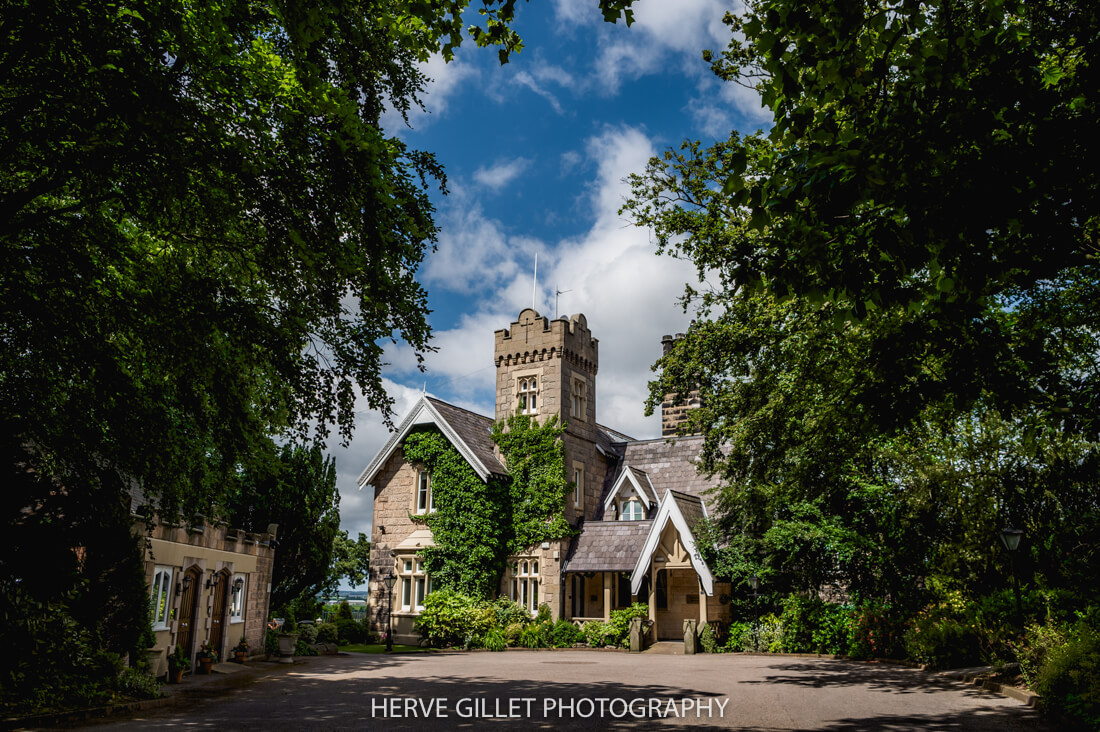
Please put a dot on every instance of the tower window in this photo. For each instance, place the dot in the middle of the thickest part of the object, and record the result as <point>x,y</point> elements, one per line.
<point>579,399</point>
<point>527,390</point>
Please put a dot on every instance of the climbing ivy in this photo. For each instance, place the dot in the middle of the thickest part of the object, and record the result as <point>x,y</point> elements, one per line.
<point>476,525</point>
<point>535,458</point>
<point>470,538</point>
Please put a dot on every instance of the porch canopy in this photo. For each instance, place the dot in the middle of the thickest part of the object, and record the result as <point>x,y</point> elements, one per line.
<point>607,546</point>
<point>682,512</point>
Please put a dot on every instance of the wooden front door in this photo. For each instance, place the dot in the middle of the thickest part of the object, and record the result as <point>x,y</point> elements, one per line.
<point>217,620</point>
<point>185,633</point>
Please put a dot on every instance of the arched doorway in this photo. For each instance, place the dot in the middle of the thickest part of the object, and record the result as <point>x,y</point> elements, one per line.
<point>217,619</point>
<point>185,632</point>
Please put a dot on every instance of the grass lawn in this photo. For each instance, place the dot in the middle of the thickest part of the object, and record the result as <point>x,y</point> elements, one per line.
<point>381,648</point>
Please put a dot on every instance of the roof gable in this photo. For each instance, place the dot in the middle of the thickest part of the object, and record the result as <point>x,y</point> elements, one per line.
<point>684,512</point>
<point>468,432</point>
<point>636,478</point>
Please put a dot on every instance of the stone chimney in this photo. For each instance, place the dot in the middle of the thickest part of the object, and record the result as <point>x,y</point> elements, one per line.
<point>674,411</point>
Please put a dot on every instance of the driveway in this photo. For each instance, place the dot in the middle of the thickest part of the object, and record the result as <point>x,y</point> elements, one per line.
<point>593,690</point>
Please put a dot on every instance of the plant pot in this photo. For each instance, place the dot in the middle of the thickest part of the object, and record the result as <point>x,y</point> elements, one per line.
<point>175,676</point>
<point>152,658</point>
<point>205,665</point>
<point>240,656</point>
<point>287,641</point>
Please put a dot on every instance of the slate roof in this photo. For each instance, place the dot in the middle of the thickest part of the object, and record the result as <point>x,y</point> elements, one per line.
<point>670,465</point>
<point>474,430</point>
<point>691,508</point>
<point>607,546</point>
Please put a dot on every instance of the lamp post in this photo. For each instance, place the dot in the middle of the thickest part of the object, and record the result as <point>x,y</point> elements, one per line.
<point>1011,539</point>
<point>390,580</point>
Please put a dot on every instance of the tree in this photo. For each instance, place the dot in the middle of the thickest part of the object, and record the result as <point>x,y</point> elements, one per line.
<point>296,489</point>
<point>908,253</point>
<point>350,560</point>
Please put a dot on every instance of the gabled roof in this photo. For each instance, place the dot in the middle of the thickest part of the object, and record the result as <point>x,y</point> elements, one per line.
<point>670,464</point>
<point>635,477</point>
<point>684,512</point>
<point>467,431</point>
<point>607,546</point>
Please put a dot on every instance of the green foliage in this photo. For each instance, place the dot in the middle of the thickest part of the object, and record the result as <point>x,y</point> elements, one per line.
<point>348,631</point>
<point>343,611</point>
<point>271,642</point>
<point>535,458</point>
<point>450,618</point>
<point>512,632</point>
<point>494,640</point>
<point>508,611</point>
<point>598,634</point>
<point>1068,677</point>
<point>564,634</point>
<point>467,526</point>
<point>737,637</point>
<point>294,488</point>
<point>307,632</point>
<point>328,633</point>
<point>875,631</point>
<point>543,614</point>
<point>534,635</point>
<point>350,559</point>
<point>708,639</point>
<point>811,625</point>
<point>303,648</point>
<point>618,627</point>
<point>137,684</point>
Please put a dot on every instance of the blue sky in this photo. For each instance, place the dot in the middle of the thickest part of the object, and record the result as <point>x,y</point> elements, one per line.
<point>535,153</point>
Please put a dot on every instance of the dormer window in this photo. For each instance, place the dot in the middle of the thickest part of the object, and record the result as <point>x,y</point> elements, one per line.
<point>527,390</point>
<point>632,510</point>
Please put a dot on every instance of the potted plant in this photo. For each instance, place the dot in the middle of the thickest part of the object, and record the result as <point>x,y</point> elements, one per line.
<point>177,664</point>
<point>240,651</point>
<point>287,641</point>
<point>207,657</point>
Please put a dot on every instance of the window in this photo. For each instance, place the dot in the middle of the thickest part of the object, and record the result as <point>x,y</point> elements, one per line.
<point>525,583</point>
<point>632,510</point>
<point>580,399</point>
<point>236,602</point>
<point>425,501</point>
<point>528,389</point>
<point>161,599</point>
<point>415,585</point>
<point>578,485</point>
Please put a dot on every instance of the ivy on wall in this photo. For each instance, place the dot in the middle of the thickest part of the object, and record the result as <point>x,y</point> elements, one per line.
<point>477,525</point>
<point>535,458</point>
<point>470,537</point>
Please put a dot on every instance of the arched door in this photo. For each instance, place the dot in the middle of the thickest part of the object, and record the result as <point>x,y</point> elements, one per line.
<point>217,620</point>
<point>185,633</point>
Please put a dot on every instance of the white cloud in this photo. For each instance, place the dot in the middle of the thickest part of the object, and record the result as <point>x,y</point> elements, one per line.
<point>501,173</point>
<point>444,81</point>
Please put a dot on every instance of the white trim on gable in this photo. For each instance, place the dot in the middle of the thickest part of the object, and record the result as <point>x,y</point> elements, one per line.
<point>422,413</point>
<point>647,491</point>
<point>669,511</point>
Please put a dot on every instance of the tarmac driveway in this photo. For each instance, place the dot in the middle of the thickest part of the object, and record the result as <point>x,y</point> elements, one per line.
<point>592,690</point>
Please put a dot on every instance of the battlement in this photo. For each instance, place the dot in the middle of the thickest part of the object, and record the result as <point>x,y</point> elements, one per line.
<point>532,338</point>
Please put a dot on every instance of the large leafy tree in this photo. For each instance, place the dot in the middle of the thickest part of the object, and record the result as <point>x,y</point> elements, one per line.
<point>907,253</point>
<point>296,490</point>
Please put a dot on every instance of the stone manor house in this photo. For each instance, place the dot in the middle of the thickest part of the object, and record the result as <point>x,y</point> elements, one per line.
<point>635,503</point>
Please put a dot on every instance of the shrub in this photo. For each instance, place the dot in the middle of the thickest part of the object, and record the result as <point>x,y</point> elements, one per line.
<point>737,637</point>
<point>494,640</point>
<point>543,614</point>
<point>301,648</point>
<point>137,684</point>
<point>509,611</point>
<point>512,633</point>
<point>708,639</point>
<point>449,618</point>
<point>347,631</point>
<point>597,633</point>
<point>874,632</point>
<point>327,633</point>
<point>307,632</point>
<point>343,611</point>
<point>531,636</point>
<point>271,642</point>
<point>1069,678</point>
<point>937,639</point>
<point>565,634</point>
<point>618,633</point>
<point>811,625</point>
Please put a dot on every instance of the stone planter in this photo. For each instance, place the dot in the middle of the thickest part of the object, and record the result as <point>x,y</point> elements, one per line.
<point>152,657</point>
<point>287,641</point>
